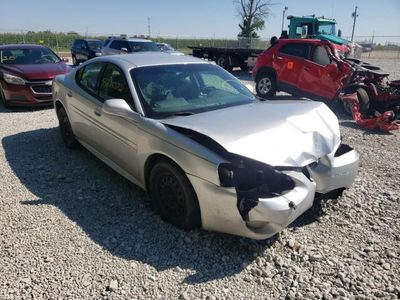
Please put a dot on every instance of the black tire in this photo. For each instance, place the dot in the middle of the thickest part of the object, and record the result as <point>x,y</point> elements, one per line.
<point>363,100</point>
<point>244,67</point>
<point>3,99</point>
<point>67,134</point>
<point>75,62</point>
<point>223,62</point>
<point>173,196</point>
<point>266,85</point>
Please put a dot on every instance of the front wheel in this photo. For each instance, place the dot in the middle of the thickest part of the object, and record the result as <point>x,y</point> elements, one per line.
<point>266,85</point>
<point>173,196</point>
<point>66,130</point>
<point>363,100</point>
<point>3,98</point>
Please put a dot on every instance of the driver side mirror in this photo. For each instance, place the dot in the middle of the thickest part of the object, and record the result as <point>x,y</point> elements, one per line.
<point>65,59</point>
<point>117,107</point>
<point>124,50</point>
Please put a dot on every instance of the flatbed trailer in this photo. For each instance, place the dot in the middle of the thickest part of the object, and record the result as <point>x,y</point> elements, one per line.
<point>228,58</point>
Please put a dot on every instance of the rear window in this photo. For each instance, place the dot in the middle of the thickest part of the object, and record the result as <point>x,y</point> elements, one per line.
<point>299,50</point>
<point>143,46</point>
<point>94,45</point>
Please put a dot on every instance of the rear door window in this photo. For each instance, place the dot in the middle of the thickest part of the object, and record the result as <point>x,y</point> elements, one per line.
<point>301,50</point>
<point>88,77</point>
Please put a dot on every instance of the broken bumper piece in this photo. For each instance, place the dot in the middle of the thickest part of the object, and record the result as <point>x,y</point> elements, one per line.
<point>335,171</point>
<point>271,215</point>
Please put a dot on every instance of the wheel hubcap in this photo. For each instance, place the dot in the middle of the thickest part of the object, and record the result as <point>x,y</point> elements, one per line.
<point>171,197</point>
<point>264,85</point>
<point>221,62</point>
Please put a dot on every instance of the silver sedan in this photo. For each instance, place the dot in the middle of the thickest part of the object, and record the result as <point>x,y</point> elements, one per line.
<point>207,151</point>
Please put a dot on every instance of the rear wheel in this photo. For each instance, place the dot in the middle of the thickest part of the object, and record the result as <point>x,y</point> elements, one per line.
<point>266,85</point>
<point>363,100</point>
<point>173,196</point>
<point>66,130</point>
<point>223,62</point>
<point>244,67</point>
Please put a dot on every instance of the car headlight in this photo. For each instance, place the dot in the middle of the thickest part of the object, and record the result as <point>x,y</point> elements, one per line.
<point>11,79</point>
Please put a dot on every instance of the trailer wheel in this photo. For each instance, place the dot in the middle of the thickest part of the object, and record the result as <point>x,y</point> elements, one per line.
<point>244,67</point>
<point>223,62</point>
<point>266,85</point>
<point>363,100</point>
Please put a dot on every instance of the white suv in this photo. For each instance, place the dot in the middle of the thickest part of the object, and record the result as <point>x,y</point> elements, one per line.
<point>121,45</point>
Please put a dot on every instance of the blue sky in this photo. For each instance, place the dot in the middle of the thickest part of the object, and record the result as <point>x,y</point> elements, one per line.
<point>189,18</point>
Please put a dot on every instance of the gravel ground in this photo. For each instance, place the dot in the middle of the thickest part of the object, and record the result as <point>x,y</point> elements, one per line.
<point>71,228</point>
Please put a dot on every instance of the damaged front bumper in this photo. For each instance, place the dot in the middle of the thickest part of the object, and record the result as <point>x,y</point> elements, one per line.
<point>220,209</point>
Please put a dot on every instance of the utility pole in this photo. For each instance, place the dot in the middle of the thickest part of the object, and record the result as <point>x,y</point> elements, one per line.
<point>354,15</point>
<point>148,26</point>
<point>283,16</point>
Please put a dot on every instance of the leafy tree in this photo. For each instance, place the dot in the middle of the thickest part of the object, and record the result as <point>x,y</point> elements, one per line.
<point>252,13</point>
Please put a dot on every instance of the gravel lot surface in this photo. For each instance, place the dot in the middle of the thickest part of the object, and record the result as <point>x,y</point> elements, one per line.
<point>71,228</point>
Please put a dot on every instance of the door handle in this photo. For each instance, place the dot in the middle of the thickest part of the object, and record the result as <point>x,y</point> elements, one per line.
<point>69,94</point>
<point>97,112</point>
<point>307,68</point>
<point>279,57</point>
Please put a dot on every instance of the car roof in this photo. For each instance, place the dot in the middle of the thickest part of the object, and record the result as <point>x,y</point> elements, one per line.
<point>297,41</point>
<point>129,39</point>
<point>301,41</point>
<point>21,46</point>
<point>142,59</point>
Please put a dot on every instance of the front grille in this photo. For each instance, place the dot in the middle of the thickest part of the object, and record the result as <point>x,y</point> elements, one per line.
<point>41,89</point>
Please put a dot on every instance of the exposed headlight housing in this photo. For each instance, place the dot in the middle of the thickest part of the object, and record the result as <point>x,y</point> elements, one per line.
<point>253,180</point>
<point>12,79</point>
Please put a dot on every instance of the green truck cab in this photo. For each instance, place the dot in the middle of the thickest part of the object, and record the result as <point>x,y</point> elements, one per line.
<point>319,28</point>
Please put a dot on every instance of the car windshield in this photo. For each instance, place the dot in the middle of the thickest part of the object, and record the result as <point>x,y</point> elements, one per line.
<point>187,89</point>
<point>327,28</point>
<point>95,45</point>
<point>27,56</point>
<point>143,46</point>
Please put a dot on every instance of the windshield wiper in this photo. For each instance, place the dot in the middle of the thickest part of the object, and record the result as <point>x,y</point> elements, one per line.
<point>183,113</point>
<point>180,113</point>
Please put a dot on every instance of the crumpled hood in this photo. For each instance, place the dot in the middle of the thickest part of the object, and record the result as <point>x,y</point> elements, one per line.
<point>278,133</point>
<point>38,71</point>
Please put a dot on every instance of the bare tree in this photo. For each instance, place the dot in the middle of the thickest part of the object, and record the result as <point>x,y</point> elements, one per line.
<point>252,13</point>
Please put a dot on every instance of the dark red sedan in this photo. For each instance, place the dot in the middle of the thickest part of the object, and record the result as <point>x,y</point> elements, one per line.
<point>27,73</point>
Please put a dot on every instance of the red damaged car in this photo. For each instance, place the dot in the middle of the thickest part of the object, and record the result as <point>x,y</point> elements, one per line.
<point>27,73</point>
<point>311,68</point>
